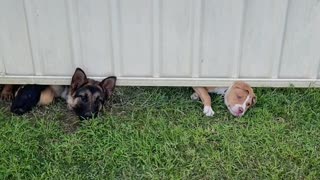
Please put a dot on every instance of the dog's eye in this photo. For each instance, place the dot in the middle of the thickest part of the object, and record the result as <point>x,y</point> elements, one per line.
<point>84,98</point>
<point>98,100</point>
<point>239,97</point>
<point>248,104</point>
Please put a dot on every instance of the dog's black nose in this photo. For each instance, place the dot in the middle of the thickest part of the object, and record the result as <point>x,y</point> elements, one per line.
<point>87,116</point>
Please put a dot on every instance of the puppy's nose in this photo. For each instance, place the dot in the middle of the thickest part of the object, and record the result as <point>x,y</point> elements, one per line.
<point>87,115</point>
<point>18,111</point>
<point>240,110</point>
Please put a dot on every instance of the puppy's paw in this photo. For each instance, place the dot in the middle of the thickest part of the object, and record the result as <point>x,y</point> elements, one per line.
<point>207,110</point>
<point>194,96</point>
<point>6,96</point>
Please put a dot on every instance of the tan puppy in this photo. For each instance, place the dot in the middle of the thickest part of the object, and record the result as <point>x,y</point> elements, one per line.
<point>239,97</point>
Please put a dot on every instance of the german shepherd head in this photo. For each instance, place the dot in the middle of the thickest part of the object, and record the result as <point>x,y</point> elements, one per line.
<point>87,96</point>
<point>27,97</point>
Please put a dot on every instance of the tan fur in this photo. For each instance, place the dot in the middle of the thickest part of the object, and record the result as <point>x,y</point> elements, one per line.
<point>204,95</point>
<point>236,94</point>
<point>57,89</point>
<point>82,97</point>
<point>49,94</point>
<point>239,93</point>
<point>73,101</point>
<point>47,97</point>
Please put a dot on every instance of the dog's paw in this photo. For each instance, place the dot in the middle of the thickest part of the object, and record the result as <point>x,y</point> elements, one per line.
<point>6,96</point>
<point>207,110</point>
<point>194,96</point>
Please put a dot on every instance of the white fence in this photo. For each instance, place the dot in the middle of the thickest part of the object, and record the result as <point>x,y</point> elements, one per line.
<point>161,42</point>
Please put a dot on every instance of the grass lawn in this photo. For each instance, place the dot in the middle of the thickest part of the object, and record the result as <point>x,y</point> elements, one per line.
<point>160,133</point>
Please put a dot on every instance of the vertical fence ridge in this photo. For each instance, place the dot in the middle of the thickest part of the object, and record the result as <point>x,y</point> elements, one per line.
<point>239,46</point>
<point>196,38</point>
<point>2,67</point>
<point>116,36</point>
<point>74,36</point>
<point>277,61</point>
<point>156,38</point>
<point>32,51</point>
<point>317,75</point>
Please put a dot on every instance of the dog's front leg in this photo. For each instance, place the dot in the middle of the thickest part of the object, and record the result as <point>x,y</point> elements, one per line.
<point>206,100</point>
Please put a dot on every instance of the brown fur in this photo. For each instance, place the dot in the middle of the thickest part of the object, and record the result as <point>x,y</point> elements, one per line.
<point>92,97</point>
<point>204,95</point>
<point>86,96</point>
<point>47,96</point>
<point>239,92</point>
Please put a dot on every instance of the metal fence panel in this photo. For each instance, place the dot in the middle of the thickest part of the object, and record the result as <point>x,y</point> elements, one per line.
<point>161,42</point>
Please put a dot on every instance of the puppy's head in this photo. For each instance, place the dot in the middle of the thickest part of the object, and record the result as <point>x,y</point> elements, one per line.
<point>86,96</point>
<point>239,98</point>
<point>26,97</point>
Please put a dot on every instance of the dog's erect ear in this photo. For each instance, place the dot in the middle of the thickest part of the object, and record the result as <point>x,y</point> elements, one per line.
<point>108,85</point>
<point>79,78</point>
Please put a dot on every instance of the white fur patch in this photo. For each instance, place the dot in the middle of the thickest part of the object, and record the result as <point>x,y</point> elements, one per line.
<point>235,108</point>
<point>207,110</point>
<point>220,91</point>
<point>244,105</point>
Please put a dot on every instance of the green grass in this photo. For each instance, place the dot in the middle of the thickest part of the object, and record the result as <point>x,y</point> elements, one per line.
<point>159,133</point>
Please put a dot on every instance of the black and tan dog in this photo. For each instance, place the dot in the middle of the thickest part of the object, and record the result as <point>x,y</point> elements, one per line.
<point>84,96</point>
<point>87,96</point>
<point>25,97</point>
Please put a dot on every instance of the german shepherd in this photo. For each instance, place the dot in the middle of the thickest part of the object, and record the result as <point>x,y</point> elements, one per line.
<point>87,96</point>
<point>25,97</point>
<point>84,96</point>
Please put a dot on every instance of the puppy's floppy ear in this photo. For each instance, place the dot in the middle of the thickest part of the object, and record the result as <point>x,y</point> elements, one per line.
<point>244,86</point>
<point>254,99</point>
<point>79,78</point>
<point>248,88</point>
<point>108,85</point>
